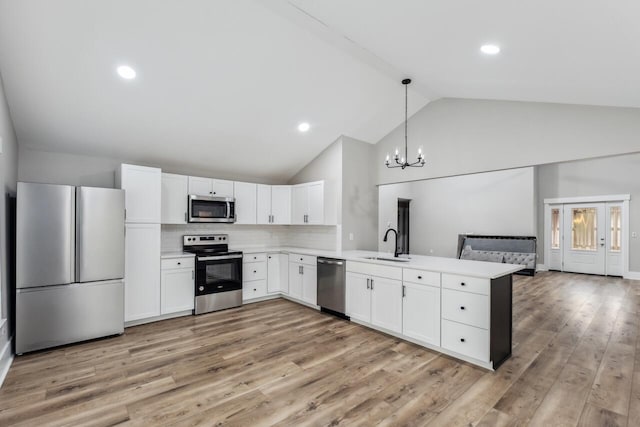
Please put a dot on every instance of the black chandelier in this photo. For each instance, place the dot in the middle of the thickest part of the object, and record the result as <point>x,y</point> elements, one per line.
<point>403,162</point>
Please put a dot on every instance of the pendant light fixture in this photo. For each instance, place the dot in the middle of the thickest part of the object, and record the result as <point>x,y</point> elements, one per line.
<point>402,162</point>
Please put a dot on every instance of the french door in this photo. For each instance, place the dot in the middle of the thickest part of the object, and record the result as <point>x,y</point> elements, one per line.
<point>586,237</point>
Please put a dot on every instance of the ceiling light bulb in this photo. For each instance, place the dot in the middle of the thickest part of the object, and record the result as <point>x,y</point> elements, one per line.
<point>126,72</point>
<point>303,127</point>
<point>490,49</point>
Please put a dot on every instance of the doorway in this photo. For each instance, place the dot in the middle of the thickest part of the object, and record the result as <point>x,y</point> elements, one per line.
<point>587,236</point>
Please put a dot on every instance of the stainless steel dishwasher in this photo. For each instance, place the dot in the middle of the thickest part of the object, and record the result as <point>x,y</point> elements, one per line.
<point>331,285</point>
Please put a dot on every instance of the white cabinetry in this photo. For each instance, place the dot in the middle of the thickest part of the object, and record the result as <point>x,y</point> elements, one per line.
<point>307,205</point>
<point>142,271</point>
<point>210,187</point>
<point>142,187</point>
<point>421,305</point>
<point>274,204</point>
<point>277,273</point>
<point>303,280</point>
<point>254,276</point>
<point>175,191</point>
<point>245,194</point>
<point>375,299</point>
<point>177,285</point>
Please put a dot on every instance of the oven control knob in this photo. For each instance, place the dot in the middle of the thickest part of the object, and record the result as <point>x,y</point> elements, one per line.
<point>201,288</point>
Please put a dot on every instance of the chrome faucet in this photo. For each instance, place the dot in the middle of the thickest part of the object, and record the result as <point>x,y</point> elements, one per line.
<point>395,246</point>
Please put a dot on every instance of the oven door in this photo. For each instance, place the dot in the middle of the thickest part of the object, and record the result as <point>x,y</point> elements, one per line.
<point>218,274</point>
<point>211,209</point>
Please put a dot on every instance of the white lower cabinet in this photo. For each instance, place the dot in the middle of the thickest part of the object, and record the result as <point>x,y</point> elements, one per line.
<point>303,280</point>
<point>142,271</point>
<point>277,273</point>
<point>254,276</point>
<point>375,300</point>
<point>466,340</point>
<point>358,297</point>
<point>177,285</point>
<point>386,303</point>
<point>421,313</point>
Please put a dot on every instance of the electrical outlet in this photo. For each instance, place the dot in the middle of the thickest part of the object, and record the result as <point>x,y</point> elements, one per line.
<point>634,234</point>
<point>351,236</point>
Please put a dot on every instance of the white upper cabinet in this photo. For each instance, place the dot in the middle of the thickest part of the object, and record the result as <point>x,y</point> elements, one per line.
<point>175,190</point>
<point>307,205</point>
<point>210,187</point>
<point>273,204</point>
<point>246,197</point>
<point>281,204</point>
<point>143,189</point>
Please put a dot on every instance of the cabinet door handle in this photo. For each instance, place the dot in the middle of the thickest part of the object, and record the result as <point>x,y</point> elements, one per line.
<point>185,217</point>
<point>461,339</point>
<point>420,277</point>
<point>254,271</point>
<point>193,274</point>
<point>462,308</point>
<point>254,289</point>
<point>463,284</point>
<point>368,283</point>
<point>179,263</point>
<point>404,293</point>
<point>302,269</point>
<point>371,284</point>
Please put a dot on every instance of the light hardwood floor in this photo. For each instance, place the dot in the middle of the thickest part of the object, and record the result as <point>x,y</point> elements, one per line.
<point>576,361</point>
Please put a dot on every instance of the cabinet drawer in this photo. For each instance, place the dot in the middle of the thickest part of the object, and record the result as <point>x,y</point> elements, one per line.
<point>466,283</point>
<point>303,259</point>
<point>254,257</point>
<point>421,276</point>
<point>394,273</point>
<point>467,340</point>
<point>172,263</point>
<point>465,307</point>
<point>254,289</point>
<point>254,271</point>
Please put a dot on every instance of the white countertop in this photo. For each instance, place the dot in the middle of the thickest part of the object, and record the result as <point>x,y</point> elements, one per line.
<point>175,254</point>
<point>481,269</point>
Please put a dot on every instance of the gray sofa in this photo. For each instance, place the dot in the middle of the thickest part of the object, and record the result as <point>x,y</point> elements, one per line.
<point>508,249</point>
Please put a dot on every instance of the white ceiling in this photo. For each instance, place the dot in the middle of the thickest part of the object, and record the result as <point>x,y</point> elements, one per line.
<point>569,51</point>
<point>223,84</point>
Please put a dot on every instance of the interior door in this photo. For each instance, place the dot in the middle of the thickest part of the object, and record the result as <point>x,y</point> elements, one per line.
<point>584,238</point>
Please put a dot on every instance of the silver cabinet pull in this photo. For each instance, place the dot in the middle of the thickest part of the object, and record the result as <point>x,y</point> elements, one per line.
<point>185,217</point>
<point>404,293</point>
<point>368,283</point>
<point>371,284</point>
<point>302,269</point>
<point>193,275</point>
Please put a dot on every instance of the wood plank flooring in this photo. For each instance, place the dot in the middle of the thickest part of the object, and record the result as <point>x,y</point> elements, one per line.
<point>576,361</point>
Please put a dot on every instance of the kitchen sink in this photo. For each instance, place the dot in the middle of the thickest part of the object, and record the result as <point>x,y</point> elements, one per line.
<point>393,259</point>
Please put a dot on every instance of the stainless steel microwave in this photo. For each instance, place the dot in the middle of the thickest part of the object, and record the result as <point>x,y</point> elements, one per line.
<point>211,209</point>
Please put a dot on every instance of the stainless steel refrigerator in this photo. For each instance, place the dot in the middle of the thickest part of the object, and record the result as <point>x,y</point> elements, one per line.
<point>70,264</point>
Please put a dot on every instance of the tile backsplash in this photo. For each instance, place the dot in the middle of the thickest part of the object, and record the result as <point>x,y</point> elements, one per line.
<point>305,236</point>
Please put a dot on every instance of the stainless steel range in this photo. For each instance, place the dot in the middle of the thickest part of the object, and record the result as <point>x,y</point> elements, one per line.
<point>218,272</point>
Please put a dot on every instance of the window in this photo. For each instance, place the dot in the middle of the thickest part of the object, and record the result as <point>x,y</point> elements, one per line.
<point>584,231</point>
<point>403,226</point>
<point>555,228</point>
<point>616,225</point>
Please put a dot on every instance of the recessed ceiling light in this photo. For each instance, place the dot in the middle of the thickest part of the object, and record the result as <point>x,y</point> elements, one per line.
<point>126,72</point>
<point>304,126</point>
<point>490,49</point>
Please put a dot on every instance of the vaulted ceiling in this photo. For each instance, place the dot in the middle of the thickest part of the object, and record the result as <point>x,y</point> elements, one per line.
<point>222,85</point>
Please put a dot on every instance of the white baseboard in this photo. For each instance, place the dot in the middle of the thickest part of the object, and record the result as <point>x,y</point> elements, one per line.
<point>6,359</point>
<point>541,267</point>
<point>632,275</point>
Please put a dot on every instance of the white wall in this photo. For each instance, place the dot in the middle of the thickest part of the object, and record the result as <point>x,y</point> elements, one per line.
<point>359,196</point>
<point>594,177</point>
<point>8,178</point>
<point>495,203</point>
<point>461,136</point>
<point>74,169</point>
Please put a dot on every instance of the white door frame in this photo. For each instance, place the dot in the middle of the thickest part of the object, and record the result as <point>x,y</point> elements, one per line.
<point>622,198</point>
